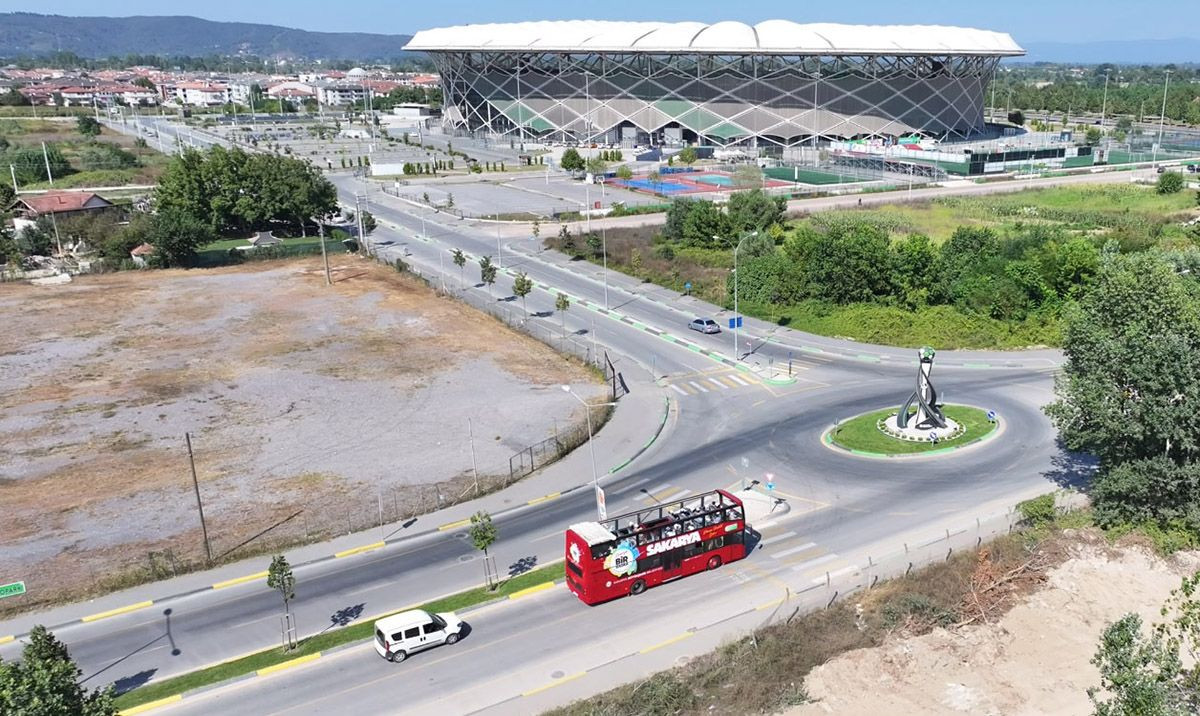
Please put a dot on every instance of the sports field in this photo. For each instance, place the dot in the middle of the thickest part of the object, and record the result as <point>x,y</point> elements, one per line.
<point>695,182</point>
<point>810,176</point>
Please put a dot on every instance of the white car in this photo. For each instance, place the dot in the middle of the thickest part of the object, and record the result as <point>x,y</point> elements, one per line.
<point>398,636</point>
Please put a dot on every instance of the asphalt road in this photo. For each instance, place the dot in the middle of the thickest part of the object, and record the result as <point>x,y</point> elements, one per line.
<point>721,435</point>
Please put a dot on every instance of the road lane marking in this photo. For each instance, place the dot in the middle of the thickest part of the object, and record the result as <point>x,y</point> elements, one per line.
<point>778,537</point>
<point>240,580</point>
<point>288,664</point>
<point>814,562</point>
<point>115,612</point>
<point>794,550</point>
<point>668,642</point>
<point>838,573</point>
<point>738,380</point>
<point>679,390</point>
<point>454,525</point>
<point>142,708</point>
<point>697,386</point>
<point>544,498</point>
<point>358,550</point>
<point>6,639</point>
<point>530,590</point>
<point>718,383</point>
<point>554,683</point>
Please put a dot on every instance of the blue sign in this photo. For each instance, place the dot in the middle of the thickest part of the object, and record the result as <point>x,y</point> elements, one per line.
<point>687,287</point>
<point>735,322</point>
<point>991,416</point>
<point>770,481</point>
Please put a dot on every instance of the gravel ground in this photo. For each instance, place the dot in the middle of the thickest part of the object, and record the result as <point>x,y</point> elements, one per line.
<point>334,403</point>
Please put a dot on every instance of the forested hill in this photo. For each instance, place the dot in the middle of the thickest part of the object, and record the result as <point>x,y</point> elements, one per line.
<point>27,34</point>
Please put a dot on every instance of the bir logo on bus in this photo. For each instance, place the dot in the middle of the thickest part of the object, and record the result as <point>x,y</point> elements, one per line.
<point>623,559</point>
<point>574,553</point>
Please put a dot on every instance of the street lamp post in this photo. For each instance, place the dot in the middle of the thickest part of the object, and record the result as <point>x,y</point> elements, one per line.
<point>591,447</point>
<point>736,315</point>
<point>1162,116</point>
<point>1104,103</point>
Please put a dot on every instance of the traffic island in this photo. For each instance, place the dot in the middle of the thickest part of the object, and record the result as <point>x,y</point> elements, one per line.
<point>872,435</point>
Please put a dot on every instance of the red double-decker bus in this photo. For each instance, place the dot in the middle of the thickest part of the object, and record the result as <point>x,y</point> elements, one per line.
<point>631,552</point>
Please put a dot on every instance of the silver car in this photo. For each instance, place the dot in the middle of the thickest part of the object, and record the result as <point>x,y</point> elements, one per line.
<point>705,325</point>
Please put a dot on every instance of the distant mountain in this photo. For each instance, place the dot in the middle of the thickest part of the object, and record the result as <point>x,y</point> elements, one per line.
<point>26,34</point>
<point>1122,52</point>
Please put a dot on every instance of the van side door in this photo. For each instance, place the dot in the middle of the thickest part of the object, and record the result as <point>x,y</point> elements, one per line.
<point>412,639</point>
<point>432,634</point>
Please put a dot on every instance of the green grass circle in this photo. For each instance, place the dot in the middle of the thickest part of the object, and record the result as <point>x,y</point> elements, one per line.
<point>861,434</point>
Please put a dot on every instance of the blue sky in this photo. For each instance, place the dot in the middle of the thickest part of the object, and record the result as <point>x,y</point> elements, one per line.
<point>1026,20</point>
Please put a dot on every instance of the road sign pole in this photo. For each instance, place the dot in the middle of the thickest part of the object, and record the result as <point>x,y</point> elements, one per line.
<point>199,503</point>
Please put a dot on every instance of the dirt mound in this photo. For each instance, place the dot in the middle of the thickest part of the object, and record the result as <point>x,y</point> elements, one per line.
<point>1033,660</point>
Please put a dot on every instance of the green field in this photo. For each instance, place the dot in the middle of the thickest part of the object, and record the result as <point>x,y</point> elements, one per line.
<point>810,176</point>
<point>861,433</point>
<point>217,253</point>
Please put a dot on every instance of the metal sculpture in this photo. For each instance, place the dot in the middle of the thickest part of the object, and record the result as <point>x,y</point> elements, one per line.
<point>929,412</point>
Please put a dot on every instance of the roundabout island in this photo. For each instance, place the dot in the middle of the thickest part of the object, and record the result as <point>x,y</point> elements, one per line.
<point>920,425</point>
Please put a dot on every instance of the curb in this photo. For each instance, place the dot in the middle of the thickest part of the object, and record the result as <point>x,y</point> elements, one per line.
<point>827,440</point>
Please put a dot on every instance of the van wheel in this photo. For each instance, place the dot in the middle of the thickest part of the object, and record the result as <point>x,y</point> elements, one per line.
<point>451,638</point>
<point>714,562</point>
<point>637,587</point>
<point>397,656</point>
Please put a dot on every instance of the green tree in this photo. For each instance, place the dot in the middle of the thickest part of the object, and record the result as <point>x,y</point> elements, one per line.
<point>281,579</point>
<point>1128,390</point>
<point>561,304</point>
<point>567,240</point>
<point>460,260</point>
<point>45,682</point>
<point>655,178</point>
<point>13,98</point>
<point>177,236</point>
<point>487,272</point>
<point>1169,183</point>
<point>595,245</point>
<point>369,223</point>
<point>844,264</point>
<point>760,243</point>
<point>87,126</point>
<point>7,196</point>
<point>482,533</point>
<point>914,261</point>
<point>536,229</point>
<point>596,166</point>
<point>522,285</point>
<point>1092,136</point>
<point>624,173</point>
<point>571,161</point>
<point>29,163</point>
<point>754,210</point>
<point>635,262</point>
<point>688,156</point>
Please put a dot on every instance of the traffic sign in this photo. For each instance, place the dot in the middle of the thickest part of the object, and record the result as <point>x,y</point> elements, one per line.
<point>991,416</point>
<point>687,287</point>
<point>12,590</point>
<point>600,507</point>
<point>735,322</point>
<point>770,480</point>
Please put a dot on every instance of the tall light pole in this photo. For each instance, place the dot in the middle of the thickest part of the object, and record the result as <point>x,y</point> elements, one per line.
<point>591,448</point>
<point>736,315</point>
<point>1104,103</point>
<point>1162,116</point>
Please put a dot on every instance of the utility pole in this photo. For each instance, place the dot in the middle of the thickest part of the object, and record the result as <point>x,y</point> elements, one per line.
<point>324,254</point>
<point>1104,103</point>
<point>474,467</point>
<point>362,235</point>
<point>199,503</point>
<point>13,173</point>
<point>46,157</point>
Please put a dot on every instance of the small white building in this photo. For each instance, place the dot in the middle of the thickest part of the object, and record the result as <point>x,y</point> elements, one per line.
<point>412,110</point>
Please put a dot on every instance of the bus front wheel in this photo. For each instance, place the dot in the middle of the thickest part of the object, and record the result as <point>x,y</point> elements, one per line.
<point>637,587</point>
<point>714,562</point>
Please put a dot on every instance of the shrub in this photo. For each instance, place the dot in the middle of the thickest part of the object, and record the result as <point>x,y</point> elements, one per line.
<point>1038,511</point>
<point>1169,183</point>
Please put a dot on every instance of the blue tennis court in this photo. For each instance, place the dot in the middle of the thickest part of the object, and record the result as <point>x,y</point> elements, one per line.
<point>661,187</point>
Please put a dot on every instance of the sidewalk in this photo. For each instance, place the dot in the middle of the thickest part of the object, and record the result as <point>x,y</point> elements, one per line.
<point>637,423</point>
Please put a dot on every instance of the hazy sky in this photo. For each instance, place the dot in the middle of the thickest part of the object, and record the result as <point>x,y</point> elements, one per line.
<point>1026,20</point>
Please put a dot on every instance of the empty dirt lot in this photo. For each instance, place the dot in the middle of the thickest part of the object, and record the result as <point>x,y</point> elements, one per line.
<point>319,404</point>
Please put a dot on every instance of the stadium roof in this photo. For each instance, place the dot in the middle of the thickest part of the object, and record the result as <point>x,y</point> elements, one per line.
<point>770,37</point>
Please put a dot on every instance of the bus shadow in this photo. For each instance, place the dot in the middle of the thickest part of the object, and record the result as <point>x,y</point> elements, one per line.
<point>752,539</point>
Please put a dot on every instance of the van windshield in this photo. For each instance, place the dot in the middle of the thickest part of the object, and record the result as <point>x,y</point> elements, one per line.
<point>439,621</point>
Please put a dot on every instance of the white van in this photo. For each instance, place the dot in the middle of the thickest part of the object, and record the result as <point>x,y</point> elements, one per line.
<point>408,632</point>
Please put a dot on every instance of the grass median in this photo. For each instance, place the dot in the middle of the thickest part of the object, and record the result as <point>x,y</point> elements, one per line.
<point>324,641</point>
<point>861,433</point>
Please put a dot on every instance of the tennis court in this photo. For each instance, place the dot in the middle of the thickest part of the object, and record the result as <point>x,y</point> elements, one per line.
<point>657,187</point>
<point>691,182</point>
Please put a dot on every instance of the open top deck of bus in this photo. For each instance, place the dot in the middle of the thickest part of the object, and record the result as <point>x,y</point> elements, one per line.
<point>701,509</point>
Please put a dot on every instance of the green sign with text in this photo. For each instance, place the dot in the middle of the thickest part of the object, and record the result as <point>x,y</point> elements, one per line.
<point>11,590</point>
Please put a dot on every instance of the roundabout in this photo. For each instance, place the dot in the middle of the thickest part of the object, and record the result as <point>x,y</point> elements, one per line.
<point>875,434</point>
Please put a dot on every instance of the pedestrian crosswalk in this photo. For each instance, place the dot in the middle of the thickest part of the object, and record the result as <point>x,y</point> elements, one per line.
<point>712,383</point>
<point>792,552</point>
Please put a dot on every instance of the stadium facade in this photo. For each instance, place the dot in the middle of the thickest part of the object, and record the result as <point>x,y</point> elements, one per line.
<point>777,83</point>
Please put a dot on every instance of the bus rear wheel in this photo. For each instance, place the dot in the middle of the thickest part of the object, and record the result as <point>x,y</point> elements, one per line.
<point>637,587</point>
<point>714,562</point>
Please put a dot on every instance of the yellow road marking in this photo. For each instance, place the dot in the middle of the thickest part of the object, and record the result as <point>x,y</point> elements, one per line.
<point>531,590</point>
<point>359,550</point>
<point>115,612</point>
<point>758,403</point>
<point>668,642</point>
<point>544,498</point>
<point>6,639</point>
<point>142,708</point>
<point>552,684</point>
<point>288,664</point>
<point>240,580</point>
<point>455,525</point>
<point>769,605</point>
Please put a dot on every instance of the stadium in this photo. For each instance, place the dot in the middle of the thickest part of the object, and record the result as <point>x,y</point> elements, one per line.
<point>775,84</point>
